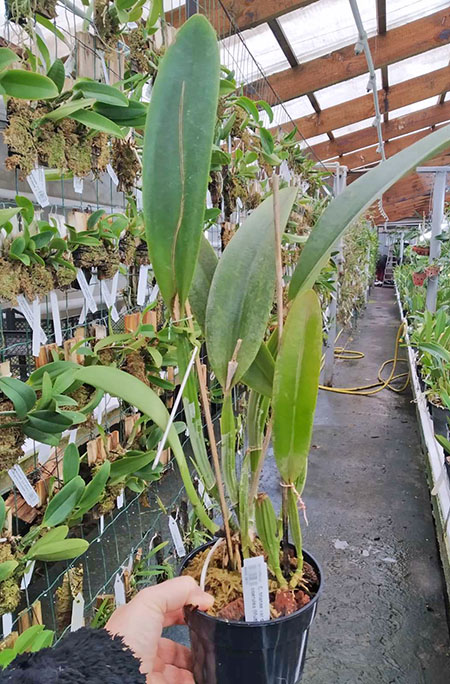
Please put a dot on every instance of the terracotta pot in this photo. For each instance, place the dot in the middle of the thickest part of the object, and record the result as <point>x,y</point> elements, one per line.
<point>432,271</point>
<point>423,251</point>
<point>418,278</point>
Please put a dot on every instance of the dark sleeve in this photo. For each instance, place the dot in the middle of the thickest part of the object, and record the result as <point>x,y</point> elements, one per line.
<point>88,656</point>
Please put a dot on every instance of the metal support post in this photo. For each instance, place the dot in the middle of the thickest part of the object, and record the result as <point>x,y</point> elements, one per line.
<point>440,183</point>
<point>340,181</point>
<point>402,246</point>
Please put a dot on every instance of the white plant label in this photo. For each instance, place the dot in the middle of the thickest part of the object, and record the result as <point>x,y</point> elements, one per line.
<point>142,284</point>
<point>139,204</point>
<point>73,436</point>
<point>60,224</point>
<point>255,584</point>
<point>36,327</point>
<point>203,494</point>
<point>120,499</point>
<point>176,537</point>
<point>56,317</point>
<point>25,309</point>
<point>209,204</point>
<point>77,185</point>
<point>112,174</point>
<point>44,451</point>
<point>77,620</point>
<point>109,299</point>
<point>104,67</point>
<point>26,579</point>
<point>36,181</point>
<point>7,621</point>
<point>101,524</point>
<point>86,290</point>
<point>23,485</point>
<point>119,591</point>
<point>154,293</point>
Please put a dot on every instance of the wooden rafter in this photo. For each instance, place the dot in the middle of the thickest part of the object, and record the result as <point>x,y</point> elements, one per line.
<point>245,14</point>
<point>405,93</point>
<point>382,28</point>
<point>395,127</point>
<point>400,43</point>
<point>369,155</point>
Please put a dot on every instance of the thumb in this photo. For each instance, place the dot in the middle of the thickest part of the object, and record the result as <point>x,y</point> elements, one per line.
<point>174,594</point>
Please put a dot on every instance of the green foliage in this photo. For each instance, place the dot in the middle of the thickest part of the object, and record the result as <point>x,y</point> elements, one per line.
<point>27,85</point>
<point>31,640</point>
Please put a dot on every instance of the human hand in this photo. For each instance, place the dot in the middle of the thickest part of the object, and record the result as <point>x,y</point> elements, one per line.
<point>141,621</point>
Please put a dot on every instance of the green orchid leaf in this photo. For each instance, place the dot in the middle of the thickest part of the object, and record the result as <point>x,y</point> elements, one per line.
<point>69,108</point>
<point>7,214</point>
<point>7,568</point>
<point>101,92</point>
<point>133,116</point>
<point>7,57</point>
<point>57,74</point>
<point>295,387</point>
<point>354,201</point>
<point>97,122</point>
<point>71,463</point>
<point>128,465</point>
<point>93,490</point>
<point>177,153</point>
<point>27,85</point>
<point>2,513</point>
<point>60,550</point>
<point>242,290</point>
<point>21,395</point>
<point>63,503</point>
<point>25,640</point>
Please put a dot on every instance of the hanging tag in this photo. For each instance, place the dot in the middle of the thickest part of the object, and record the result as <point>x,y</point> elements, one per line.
<point>36,181</point>
<point>60,224</point>
<point>77,185</point>
<point>101,55</point>
<point>36,327</point>
<point>120,499</point>
<point>25,309</point>
<point>255,586</point>
<point>142,284</point>
<point>85,289</point>
<point>112,174</point>
<point>132,25</point>
<point>23,485</point>
<point>7,620</point>
<point>101,525</point>
<point>209,204</point>
<point>139,200</point>
<point>26,579</point>
<point>73,436</point>
<point>154,293</point>
<point>176,537</point>
<point>119,591</point>
<point>44,451</point>
<point>56,317</point>
<point>147,92</point>
<point>109,299</point>
<point>77,620</point>
<point>69,64</point>
<point>203,494</point>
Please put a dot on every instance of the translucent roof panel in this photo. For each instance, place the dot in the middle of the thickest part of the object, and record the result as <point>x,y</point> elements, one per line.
<point>358,126</point>
<point>294,109</point>
<point>419,65</point>
<point>263,53</point>
<point>414,107</point>
<point>347,90</point>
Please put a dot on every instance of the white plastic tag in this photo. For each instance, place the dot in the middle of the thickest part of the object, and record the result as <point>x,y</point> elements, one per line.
<point>7,621</point>
<point>109,299</point>
<point>56,317</point>
<point>36,181</point>
<point>44,451</point>
<point>154,293</point>
<point>60,224</point>
<point>120,499</point>
<point>77,620</point>
<point>36,327</point>
<point>139,200</point>
<point>209,204</point>
<point>85,289</point>
<point>23,485</point>
<point>73,436</point>
<point>25,309</point>
<point>255,586</point>
<point>101,524</point>
<point>203,494</point>
<point>119,591</point>
<point>77,185</point>
<point>26,579</point>
<point>176,537</point>
<point>142,284</point>
<point>112,174</point>
<point>104,67</point>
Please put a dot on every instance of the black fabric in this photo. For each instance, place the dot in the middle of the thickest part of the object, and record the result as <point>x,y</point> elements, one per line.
<point>88,656</point>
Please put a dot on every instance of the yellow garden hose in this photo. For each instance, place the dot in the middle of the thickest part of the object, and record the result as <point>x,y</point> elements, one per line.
<point>367,390</point>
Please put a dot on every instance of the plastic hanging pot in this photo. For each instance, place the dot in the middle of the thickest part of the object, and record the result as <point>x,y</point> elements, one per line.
<point>240,652</point>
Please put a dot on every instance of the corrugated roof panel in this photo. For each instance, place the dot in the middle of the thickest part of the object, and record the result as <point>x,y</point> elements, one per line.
<point>419,65</point>
<point>347,90</point>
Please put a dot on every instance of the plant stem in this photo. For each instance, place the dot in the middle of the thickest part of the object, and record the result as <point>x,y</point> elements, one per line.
<point>212,441</point>
<point>285,520</point>
<point>257,473</point>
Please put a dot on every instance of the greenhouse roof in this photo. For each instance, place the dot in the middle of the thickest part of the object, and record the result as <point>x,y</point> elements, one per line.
<point>299,55</point>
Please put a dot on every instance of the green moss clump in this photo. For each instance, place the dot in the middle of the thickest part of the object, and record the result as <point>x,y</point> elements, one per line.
<point>109,268</point>
<point>126,164</point>
<point>89,257</point>
<point>127,248</point>
<point>63,277</point>
<point>11,439</point>
<point>9,588</point>
<point>10,276</point>
<point>135,365</point>
<point>233,187</point>
<point>36,281</point>
<point>106,22</point>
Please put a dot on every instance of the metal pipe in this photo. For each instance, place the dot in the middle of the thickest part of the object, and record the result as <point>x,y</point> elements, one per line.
<point>440,182</point>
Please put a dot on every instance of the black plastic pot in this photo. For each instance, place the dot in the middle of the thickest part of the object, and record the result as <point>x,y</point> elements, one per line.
<point>241,652</point>
<point>440,419</point>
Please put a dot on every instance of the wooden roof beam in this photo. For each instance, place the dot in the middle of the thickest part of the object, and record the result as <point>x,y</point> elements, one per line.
<point>395,127</point>
<point>340,65</point>
<point>241,14</point>
<point>401,94</point>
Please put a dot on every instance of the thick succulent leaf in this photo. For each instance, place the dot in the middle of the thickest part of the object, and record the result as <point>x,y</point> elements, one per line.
<point>97,122</point>
<point>71,463</point>
<point>27,85</point>
<point>177,153</point>
<point>59,550</point>
<point>21,395</point>
<point>7,568</point>
<point>242,290</point>
<point>295,386</point>
<point>93,490</point>
<point>356,199</point>
<point>62,504</point>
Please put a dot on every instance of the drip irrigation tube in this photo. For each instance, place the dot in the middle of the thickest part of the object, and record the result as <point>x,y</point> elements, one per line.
<point>344,354</point>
